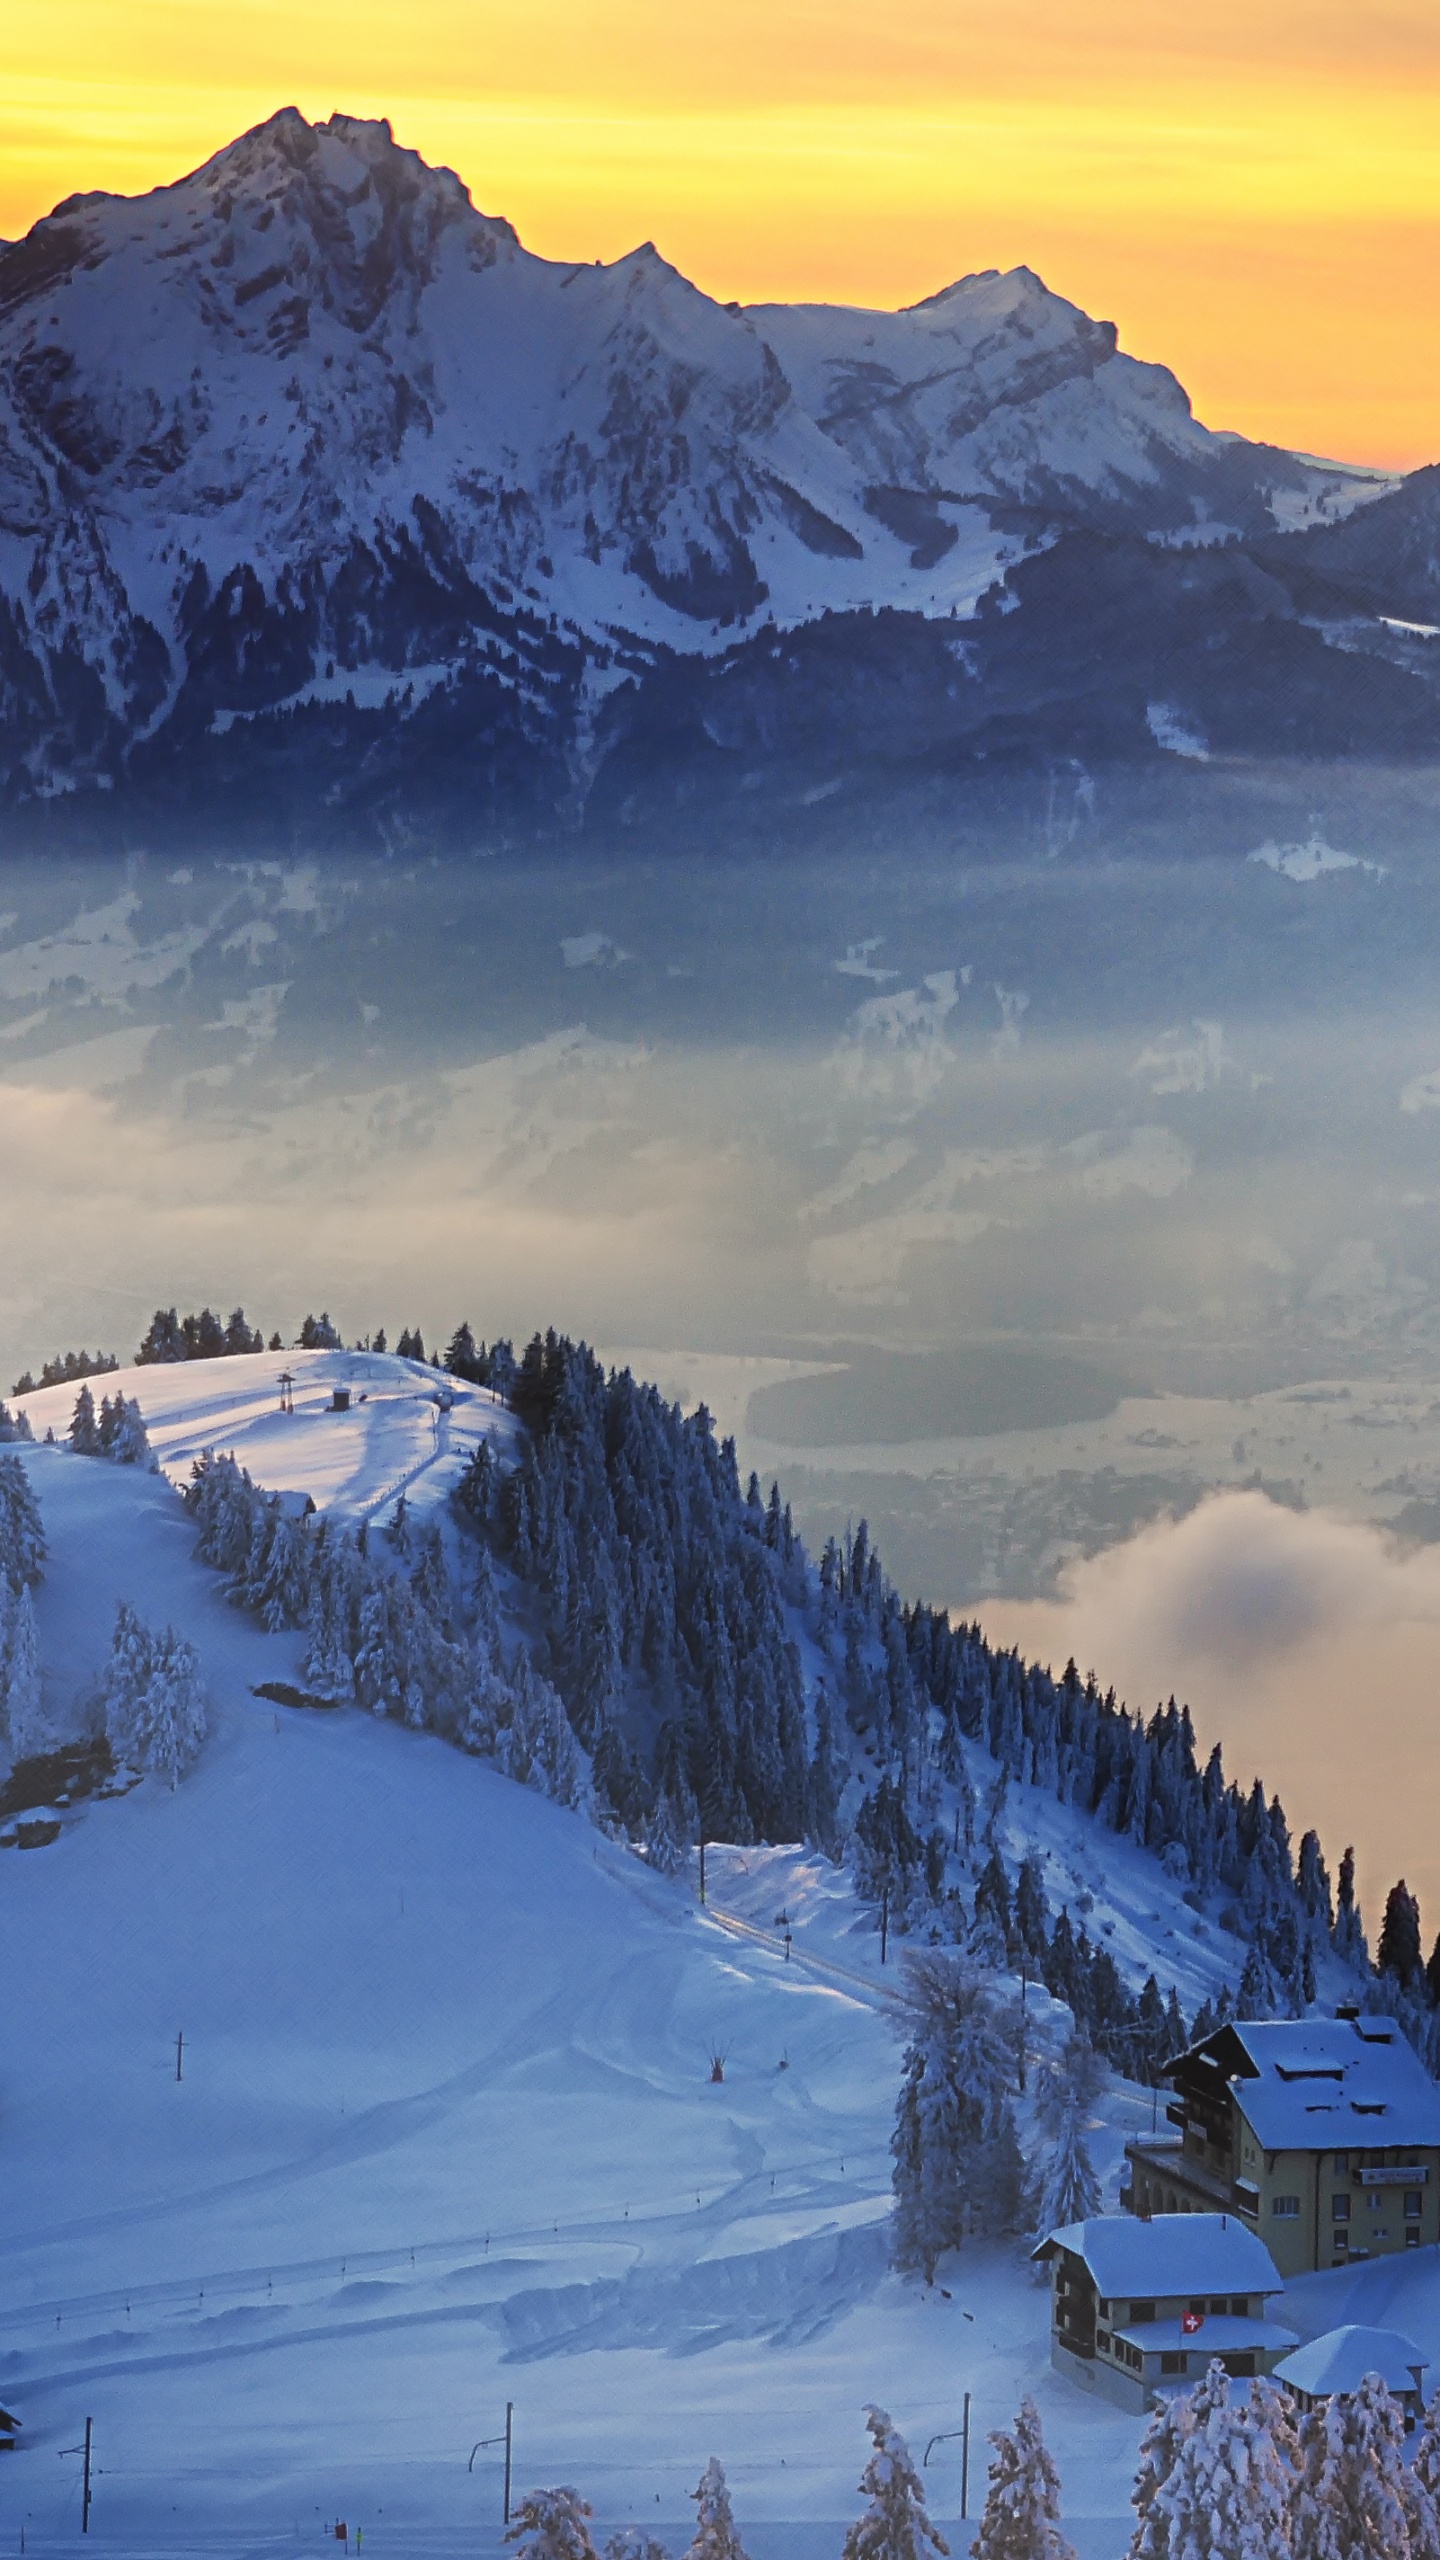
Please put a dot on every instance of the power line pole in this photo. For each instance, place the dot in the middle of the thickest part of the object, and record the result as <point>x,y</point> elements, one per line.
<point>884,1921</point>
<point>509,2442</point>
<point>85,2494</point>
<point>179,2053</point>
<point>702,1866</point>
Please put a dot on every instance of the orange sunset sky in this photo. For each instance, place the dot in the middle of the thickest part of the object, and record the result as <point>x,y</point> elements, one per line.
<point>1250,188</point>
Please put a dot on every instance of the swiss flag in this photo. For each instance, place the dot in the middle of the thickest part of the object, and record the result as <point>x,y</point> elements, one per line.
<point>1190,2321</point>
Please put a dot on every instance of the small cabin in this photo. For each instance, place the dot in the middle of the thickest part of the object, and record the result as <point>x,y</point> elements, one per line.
<point>1138,2309</point>
<point>1341,2359</point>
<point>9,2428</point>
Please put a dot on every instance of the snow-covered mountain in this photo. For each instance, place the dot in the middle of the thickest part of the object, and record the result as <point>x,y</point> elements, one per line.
<point>351,2091</point>
<point>306,430</point>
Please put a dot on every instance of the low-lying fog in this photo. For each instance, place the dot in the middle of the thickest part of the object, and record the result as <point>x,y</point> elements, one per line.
<point>1017,1198</point>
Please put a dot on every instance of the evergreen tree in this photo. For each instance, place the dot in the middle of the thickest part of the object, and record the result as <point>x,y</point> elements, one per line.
<point>14,1426</point>
<point>895,2524</point>
<point>84,1429</point>
<point>1229,2492</point>
<point>1021,2517</point>
<point>1348,1936</point>
<point>664,1848</point>
<point>1064,2186</point>
<point>1159,2452</point>
<point>317,1333</point>
<point>1351,2501</point>
<point>715,2537</point>
<point>1399,1952</point>
<point>632,2542</point>
<point>24,1727</point>
<point>957,2167</point>
<point>153,1695</point>
<point>22,1533</point>
<point>553,2524</point>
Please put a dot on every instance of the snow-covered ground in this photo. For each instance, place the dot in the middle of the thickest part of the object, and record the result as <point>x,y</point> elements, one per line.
<point>446,2134</point>
<point>408,1428</point>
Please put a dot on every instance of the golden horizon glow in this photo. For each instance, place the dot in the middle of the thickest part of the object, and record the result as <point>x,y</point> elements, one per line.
<point>1255,201</point>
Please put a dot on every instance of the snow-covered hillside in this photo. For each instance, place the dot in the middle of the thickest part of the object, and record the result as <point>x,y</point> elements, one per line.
<point>446,2134</point>
<point>307,428</point>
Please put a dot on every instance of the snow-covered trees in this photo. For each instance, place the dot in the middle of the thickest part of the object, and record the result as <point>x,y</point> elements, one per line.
<point>116,1432</point>
<point>153,1695</point>
<point>553,2524</point>
<point>22,1534</point>
<point>958,2170</point>
<point>715,2537</point>
<point>196,1337</point>
<point>24,1729</point>
<point>1229,2489</point>
<point>1351,2502</point>
<point>1064,2187</point>
<point>14,1426</point>
<point>1159,2452</point>
<point>895,2524</point>
<point>665,1849</point>
<point>1021,2517</point>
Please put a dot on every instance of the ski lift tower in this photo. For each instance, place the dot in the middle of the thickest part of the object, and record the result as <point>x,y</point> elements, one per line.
<point>287,1392</point>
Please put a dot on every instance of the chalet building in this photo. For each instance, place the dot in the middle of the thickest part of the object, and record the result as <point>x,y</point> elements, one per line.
<point>1323,2134</point>
<point>1341,2360</point>
<point>1142,2308</point>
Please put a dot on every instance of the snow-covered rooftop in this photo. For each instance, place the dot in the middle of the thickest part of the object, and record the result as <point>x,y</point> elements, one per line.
<point>1318,2084</point>
<point>1340,2360</point>
<point>1178,2253</point>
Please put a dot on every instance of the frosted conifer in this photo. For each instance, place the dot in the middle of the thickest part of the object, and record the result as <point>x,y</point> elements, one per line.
<point>29,1731</point>
<point>553,2524</point>
<point>1230,2489</point>
<point>957,2163</point>
<point>1021,2519</point>
<point>664,1848</point>
<point>84,1429</point>
<point>1159,2450</point>
<point>154,1699</point>
<point>1065,2188</point>
<point>1351,2503</point>
<point>129,1441</point>
<point>895,2525</point>
<point>715,2536</point>
<point>537,1746</point>
<point>632,2542</point>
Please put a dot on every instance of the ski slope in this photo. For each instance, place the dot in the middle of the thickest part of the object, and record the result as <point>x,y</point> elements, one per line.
<point>445,2134</point>
<point>409,1428</point>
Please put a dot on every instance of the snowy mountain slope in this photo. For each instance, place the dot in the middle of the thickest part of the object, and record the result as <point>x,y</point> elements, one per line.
<point>306,431</point>
<point>408,1428</point>
<point>446,2133</point>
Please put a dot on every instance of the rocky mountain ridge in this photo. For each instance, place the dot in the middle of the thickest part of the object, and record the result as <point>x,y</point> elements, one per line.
<point>314,482</point>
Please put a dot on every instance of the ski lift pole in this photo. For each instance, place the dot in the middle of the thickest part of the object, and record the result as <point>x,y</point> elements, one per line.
<point>487,2444</point>
<point>950,2435</point>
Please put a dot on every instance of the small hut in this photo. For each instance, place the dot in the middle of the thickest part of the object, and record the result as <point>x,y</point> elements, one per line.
<point>1340,2360</point>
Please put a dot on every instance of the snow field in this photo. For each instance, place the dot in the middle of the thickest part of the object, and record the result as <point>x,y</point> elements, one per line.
<point>446,2134</point>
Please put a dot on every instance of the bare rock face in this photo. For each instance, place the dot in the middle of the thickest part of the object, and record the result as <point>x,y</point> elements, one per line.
<point>307,444</point>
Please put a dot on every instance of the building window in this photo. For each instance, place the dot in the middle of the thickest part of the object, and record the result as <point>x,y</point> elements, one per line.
<point>1142,2311</point>
<point>1285,2208</point>
<point>1222,2305</point>
<point>1413,2202</point>
<point>1375,2200</point>
<point>1412,2238</point>
<point>1196,2306</point>
<point>1174,2364</point>
<point>1340,2208</point>
<point>1102,2341</point>
<point>1240,2306</point>
<point>1342,2160</point>
<point>1340,2237</point>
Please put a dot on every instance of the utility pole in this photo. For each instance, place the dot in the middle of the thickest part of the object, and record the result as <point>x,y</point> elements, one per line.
<point>702,1866</point>
<point>85,2493</point>
<point>884,1921</point>
<point>508,2440</point>
<point>965,2463</point>
<point>179,2053</point>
